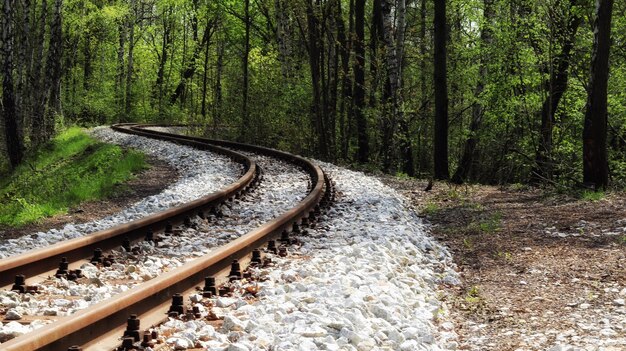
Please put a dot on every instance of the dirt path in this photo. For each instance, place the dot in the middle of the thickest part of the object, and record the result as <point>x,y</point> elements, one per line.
<point>538,272</point>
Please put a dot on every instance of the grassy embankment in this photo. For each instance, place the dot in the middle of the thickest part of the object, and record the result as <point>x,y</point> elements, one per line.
<point>70,169</point>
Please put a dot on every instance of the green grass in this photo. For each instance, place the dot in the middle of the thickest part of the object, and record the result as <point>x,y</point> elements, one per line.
<point>72,168</point>
<point>590,195</point>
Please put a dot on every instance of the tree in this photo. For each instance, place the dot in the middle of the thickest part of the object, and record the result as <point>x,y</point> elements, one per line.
<point>478,110</point>
<point>245,118</point>
<point>556,86</point>
<point>595,160</point>
<point>441,92</point>
<point>12,134</point>
<point>359,81</point>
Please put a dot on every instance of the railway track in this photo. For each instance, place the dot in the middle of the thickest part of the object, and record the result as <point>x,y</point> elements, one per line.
<point>100,326</point>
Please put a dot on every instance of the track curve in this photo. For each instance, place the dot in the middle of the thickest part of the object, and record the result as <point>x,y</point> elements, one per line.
<point>95,322</point>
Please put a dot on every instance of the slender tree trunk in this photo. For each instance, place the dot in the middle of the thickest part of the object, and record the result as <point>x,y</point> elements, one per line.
<point>130,68</point>
<point>204,80</point>
<point>393,57</point>
<point>441,93</point>
<point>119,87</point>
<point>53,71</point>
<point>167,37</point>
<point>191,64</point>
<point>15,147</point>
<point>36,80</point>
<point>595,162</point>
<point>556,88</point>
<point>245,118</point>
<point>478,110</point>
<point>423,159</point>
<point>346,84</point>
<point>317,116</point>
<point>283,38</point>
<point>23,67</point>
<point>333,78</point>
<point>376,39</point>
<point>217,104</point>
<point>359,81</point>
<point>87,68</point>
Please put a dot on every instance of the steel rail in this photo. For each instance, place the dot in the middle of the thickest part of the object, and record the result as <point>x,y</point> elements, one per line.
<point>99,319</point>
<point>38,261</point>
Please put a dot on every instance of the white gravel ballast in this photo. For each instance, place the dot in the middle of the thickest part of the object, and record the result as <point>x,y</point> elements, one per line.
<point>365,279</point>
<point>201,173</point>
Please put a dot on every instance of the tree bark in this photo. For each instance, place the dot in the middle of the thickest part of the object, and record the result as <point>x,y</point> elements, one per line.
<point>15,147</point>
<point>359,81</point>
<point>441,92</point>
<point>595,161</point>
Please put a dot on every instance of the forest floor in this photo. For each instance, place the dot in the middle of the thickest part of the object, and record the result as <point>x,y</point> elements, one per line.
<point>148,182</point>
<point>538,270</point>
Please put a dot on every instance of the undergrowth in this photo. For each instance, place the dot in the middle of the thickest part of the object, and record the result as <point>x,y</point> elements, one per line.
<point>70,169</point>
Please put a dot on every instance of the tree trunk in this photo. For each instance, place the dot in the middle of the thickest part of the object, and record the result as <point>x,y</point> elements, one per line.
<point>314,46</point>
<point>167,38</point>
<point>595,162</point>
<point>37,134</point>
<point>53,72</point>
<point>423,158</point>
<point>129,69</point>
<point>556,88</point>
<point>283,38</point>
<point>217,104</point>
<point>478,110</point>
<point>441,92</point>
<point>24,49</point>
<point>87,68</point>
<point>245,120</point>
<point>15,147</point>
<point>393,57</point>
<point>359,81</point>
<point>204,80</point>
<point>190,68</point>
<point>119,87</point>
<point>345,45</point>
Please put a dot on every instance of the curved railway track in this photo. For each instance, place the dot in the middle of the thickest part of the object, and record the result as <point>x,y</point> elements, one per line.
<point>100,326</point>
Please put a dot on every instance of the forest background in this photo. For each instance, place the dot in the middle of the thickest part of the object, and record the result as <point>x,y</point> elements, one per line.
<point>350,81</point>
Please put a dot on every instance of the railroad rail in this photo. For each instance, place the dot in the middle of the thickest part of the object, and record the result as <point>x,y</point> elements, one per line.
<point>101,325</point>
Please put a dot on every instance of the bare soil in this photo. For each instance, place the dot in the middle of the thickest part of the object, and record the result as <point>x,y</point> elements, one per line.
<point>537,269</point>
<point>149,182</point>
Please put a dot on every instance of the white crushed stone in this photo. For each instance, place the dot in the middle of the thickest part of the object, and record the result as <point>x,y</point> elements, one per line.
<point>201,173</point>
<point>365,279</point>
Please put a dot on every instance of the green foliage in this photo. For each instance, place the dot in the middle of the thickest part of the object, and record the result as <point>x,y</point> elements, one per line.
<point>526,37</point>
<point>590,195</point>
<point>72,168</point>
<point>430,209</point>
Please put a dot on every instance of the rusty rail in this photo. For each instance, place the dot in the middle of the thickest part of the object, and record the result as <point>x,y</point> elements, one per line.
<point>43,260</point>
<point>97,320</point>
